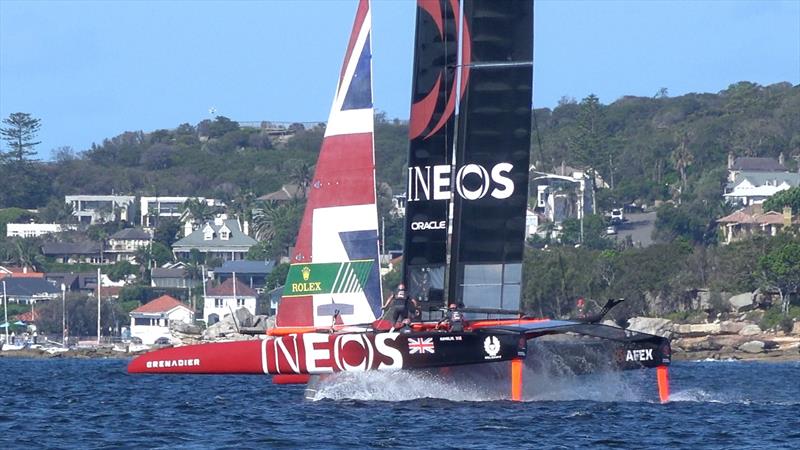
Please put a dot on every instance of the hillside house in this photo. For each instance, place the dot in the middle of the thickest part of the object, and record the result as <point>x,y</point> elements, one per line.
<point>19,272</point>
<point>151,321</point>
<point>27,230</point>
<point>562,197</point>
<point>752,220</point>
<point>90,209</point>
<point>172,277</point>
<point>221,239</point>
<point>252,273</point>
<point>29,290</point>
<point>221,300</point>
<point>153,209</point>
<point>286,193</point>
<point>123,244</point>
<point>752,180</point>
<point>75,252</point>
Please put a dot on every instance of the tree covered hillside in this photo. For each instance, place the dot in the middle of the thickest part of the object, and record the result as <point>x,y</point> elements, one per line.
<point>661,148</point>
<point>646,149</point>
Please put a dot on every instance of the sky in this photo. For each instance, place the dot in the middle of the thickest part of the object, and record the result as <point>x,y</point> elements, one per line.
<point>91,70</point>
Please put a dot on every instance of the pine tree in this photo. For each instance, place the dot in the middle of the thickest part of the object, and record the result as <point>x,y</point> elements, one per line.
<point>20,132</point>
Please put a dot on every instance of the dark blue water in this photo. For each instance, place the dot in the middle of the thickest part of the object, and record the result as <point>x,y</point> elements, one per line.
<point>69,403</point>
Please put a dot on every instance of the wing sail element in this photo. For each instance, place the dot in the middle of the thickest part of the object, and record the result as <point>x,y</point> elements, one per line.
<point>334,274</point>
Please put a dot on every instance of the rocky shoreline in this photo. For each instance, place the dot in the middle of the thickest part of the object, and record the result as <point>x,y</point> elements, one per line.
<point>723,340</point>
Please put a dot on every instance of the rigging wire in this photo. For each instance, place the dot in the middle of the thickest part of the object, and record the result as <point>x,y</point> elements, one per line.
<point>533,109</point>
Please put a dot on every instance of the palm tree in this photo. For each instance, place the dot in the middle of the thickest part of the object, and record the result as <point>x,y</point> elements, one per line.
<point>195,272</point>
<point>199,210</point>
<point>26,252</point>
<point>242,205</point>
<point>266,216</point>
<point>682,157</point>
<point>302,175</point>
<point>143,256</point>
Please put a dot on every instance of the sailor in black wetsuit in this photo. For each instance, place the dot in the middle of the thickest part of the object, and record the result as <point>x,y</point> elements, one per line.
<point>401,306</point>
<point>453,319</point>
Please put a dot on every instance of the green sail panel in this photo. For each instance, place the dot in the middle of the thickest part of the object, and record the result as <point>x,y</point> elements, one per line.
<point>327,278</point>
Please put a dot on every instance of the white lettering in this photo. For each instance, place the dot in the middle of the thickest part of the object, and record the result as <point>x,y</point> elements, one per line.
<point>639,355</point>
<point>433,182</point>
<point>462,175</point>
<point>388,351</point>
<point>497,176</point>
<point>432,225</point>
<point>316,354</point>
<point>441,182</point>
<point>423,183</point>
<point>167,363</point>
<point>291,358</point>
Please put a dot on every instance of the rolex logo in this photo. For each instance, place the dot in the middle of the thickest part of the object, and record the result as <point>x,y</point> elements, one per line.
<point>306,272</point>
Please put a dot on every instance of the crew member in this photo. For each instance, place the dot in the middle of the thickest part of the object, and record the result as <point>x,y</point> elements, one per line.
<point>400,304</point>
<point>453,319</point>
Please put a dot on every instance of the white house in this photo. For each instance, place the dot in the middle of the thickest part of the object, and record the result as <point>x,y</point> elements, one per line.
<point>226,298</point>
<point>93,208</point>
<point>124,243</point>
<point>27,230</point>
<point>153,209</point>
<point>746,193</point>
<point>222,238</point>
<point>151,321</point>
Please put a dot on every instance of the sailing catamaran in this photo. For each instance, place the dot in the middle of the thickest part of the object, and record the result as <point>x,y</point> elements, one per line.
<point>467,180</point>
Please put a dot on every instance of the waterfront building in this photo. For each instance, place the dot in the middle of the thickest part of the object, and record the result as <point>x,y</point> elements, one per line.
<point>150,322</point>
<point>226,298</point>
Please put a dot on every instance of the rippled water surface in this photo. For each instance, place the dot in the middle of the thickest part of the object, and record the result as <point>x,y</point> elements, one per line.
<point>69,403</point>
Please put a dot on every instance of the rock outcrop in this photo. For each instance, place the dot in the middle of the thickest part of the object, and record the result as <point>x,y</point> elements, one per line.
<point>750,330</point>
<point>651,325</point>
<point>752,347</point>
<point>741,302</point>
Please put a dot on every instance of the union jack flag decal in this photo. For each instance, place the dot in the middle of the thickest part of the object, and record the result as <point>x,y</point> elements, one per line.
<point>421,346</point>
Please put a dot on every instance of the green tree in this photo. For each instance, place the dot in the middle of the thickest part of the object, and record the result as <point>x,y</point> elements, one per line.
<point>278,276</point>
<point>161,254</point>
<point>301,174</point>
<point>57,211</point>
<point>26,252</point>
<point>789,197</point>
<point>20,134</point>
<point>199,209</point>
<point>588,141</point>
<point>120,270</point>
<point>682,157</point>
<point>780,269</point>
<point>167,231</point>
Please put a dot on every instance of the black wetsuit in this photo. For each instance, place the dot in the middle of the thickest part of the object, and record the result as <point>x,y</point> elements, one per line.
<point>456,319</point>
<point>400,307</point>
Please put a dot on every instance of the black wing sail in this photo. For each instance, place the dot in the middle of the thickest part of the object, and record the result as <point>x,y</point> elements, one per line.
<point>430,150</point>
<point>492,155</point>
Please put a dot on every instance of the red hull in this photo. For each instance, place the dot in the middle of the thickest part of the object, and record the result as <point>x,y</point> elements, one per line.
<point>240,357</point>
